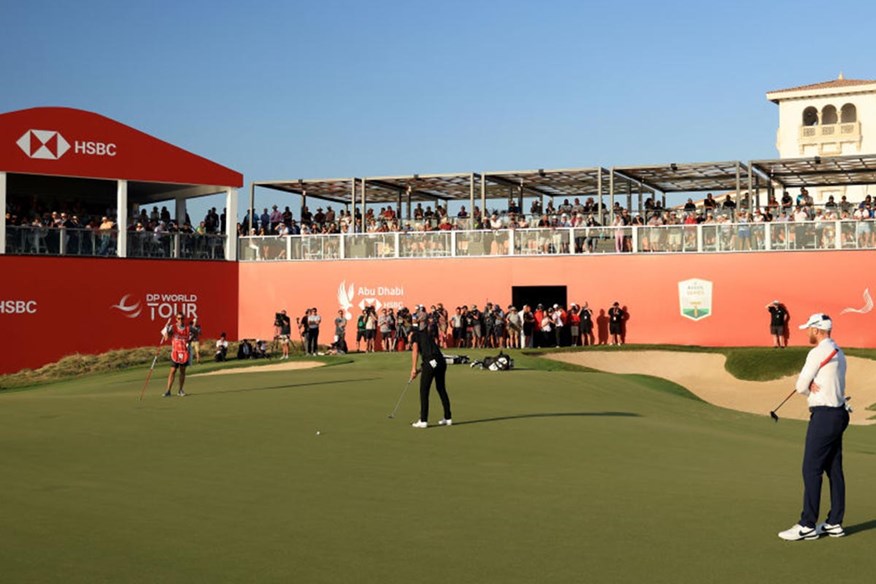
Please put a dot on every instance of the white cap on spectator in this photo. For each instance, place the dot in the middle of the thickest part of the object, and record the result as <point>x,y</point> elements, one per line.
<point>819,321</point>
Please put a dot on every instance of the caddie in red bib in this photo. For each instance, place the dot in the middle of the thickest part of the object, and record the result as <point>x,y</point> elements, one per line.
<point>180,336</point>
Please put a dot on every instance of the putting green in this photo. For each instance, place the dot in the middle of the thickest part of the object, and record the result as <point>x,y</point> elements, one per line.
<point>549,474</point>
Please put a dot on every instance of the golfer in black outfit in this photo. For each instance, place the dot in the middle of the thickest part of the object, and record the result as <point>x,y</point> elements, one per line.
<point>433,367</point>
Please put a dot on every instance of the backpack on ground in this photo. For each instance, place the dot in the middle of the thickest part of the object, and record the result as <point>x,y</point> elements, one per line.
<point>500,362</point>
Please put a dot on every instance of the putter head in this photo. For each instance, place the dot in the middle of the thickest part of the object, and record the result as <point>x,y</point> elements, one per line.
<point>774,416</point>
<point>390,416</point>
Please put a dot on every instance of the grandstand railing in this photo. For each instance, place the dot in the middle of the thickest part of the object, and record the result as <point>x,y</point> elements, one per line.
<point>86,242</point>
<point>701,238</point>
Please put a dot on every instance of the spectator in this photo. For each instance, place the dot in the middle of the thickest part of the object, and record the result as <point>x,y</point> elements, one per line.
<point>221,348</point>
<point>616,317</point>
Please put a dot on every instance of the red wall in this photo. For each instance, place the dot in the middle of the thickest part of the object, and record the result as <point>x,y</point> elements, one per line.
<point>51,307</point>
<point>647,285</point>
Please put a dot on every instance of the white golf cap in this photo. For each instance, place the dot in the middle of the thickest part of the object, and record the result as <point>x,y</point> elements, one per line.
<point>819,321</point>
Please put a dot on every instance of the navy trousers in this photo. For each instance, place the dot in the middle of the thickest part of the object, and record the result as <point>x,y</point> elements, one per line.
<point>438,373</point>
<point>824,454</point>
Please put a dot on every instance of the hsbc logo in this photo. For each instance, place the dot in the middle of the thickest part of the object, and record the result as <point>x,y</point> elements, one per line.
<point>51,145</point>
<point>44,144</point>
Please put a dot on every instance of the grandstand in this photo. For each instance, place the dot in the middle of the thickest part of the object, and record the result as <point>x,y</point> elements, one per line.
<point>594,234</point>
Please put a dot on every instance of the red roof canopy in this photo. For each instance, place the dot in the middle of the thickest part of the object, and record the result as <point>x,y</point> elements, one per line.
<point>62,141</point>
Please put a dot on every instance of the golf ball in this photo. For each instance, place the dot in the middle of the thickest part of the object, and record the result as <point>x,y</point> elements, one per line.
<point>317,432</point>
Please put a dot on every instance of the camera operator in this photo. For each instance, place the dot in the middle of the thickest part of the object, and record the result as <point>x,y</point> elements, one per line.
<point>301,323</point>
<point>370,328</point>
<point>403,328</point>
<point>432,324</point>
<point>283,329</point>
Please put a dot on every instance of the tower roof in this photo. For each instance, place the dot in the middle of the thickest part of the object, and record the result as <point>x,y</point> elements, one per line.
<point>839,85</point>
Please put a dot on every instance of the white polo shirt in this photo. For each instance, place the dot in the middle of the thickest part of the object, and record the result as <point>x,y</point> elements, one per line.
<point>830,377</point>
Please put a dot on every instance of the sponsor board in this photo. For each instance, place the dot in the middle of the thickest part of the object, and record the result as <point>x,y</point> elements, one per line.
<point>51,145</point>
<point>374,296</point>
<point>695,298</point>
<point>93,312</point>
<point>18,306</point>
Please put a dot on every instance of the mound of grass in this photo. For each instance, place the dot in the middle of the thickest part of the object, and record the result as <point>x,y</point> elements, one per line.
<point>761,364</point>
<point>79,365</point>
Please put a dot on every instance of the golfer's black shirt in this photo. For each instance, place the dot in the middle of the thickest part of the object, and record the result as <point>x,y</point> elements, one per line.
<point>428,349</point>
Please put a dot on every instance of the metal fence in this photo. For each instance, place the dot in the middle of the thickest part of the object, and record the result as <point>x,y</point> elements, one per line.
<point>705,237</point>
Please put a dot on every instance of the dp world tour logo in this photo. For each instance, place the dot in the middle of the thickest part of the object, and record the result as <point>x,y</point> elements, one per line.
<point>129,310</point>
<point>695,298</point>
<point>161,306</point>
<point>43,144</point>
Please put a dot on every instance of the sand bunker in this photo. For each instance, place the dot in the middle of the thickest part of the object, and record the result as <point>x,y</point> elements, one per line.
<point>285,366</point>
<point>704,374</point>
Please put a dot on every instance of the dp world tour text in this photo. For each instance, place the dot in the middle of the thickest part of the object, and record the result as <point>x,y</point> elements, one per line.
<point>163,306</point>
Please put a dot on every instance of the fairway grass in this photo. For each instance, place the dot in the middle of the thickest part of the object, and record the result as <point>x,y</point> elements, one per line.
<point>549,474</point>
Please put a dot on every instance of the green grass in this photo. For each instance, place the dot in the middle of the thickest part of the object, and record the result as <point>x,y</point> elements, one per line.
<point>550,474</point>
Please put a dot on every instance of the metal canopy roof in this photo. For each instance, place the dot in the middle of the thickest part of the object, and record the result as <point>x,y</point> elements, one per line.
<point>383,189</point>
<point>330,189</point>
<point>570,182</point>
<point>820,171</point>
<point>422,187</point>
<point>689,177</point>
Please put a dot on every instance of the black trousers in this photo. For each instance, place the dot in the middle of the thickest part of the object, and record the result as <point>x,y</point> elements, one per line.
<point>438,373</point>
<point>312,341</point>
<point>824,454</point>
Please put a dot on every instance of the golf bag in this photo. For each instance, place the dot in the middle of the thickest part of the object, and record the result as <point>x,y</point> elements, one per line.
<point>500,362</point>
<point>456,359</point>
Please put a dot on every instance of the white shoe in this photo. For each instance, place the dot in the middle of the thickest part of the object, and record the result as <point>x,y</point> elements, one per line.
<point>420,424</point>
<point>445,422</point>
<point>798,532</point>
<point>831,530</point>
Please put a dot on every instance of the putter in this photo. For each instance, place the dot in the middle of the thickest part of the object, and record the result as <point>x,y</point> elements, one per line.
<point>793,391</point>
<point>400,398</point>
<point>773,413</point>
<point>154,359</point>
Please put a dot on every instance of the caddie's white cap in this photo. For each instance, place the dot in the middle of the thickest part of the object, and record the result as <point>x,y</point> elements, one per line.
<point>819,321</point>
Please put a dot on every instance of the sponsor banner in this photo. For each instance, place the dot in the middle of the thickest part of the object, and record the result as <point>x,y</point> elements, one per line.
<point>695,298</point>
<point>59,306</point>
<point>704,299</point>
<point>69,142</point>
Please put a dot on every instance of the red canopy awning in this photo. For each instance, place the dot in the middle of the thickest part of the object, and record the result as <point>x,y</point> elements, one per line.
<point>60,141</point>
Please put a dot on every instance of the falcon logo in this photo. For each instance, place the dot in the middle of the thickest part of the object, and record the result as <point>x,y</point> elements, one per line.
<point>129,310</point>
<point>868,304</point>
<point>43,144</point>
<point>345,299</point>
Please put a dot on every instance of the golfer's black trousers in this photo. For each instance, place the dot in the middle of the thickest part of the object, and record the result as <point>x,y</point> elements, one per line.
<point>824,454</point>
<point>438,373</point>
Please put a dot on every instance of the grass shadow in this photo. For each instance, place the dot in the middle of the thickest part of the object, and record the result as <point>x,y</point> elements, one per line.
<point>860,527</point>
<point>549,415</point>
<point>287,386</point>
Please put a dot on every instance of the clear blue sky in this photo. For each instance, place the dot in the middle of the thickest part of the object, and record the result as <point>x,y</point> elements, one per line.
<point>322,89</point>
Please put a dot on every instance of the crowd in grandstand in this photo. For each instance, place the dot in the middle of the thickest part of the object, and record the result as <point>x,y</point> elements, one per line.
<point>83,230</point>
<point>89,231</point>
<point>565,215</point>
